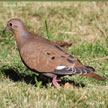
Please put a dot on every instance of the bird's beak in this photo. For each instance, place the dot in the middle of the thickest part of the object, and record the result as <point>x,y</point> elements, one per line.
<point>5,29</point>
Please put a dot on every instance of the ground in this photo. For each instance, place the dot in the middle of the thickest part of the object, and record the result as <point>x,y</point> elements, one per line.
<point>85,24</point>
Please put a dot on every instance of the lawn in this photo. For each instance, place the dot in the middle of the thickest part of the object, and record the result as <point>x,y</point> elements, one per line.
<point>85,24</point>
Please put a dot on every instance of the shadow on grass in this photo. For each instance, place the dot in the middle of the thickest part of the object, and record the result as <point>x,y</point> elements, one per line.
<point>15,76</point>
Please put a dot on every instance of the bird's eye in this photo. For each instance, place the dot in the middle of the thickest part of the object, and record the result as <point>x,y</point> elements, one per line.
<point>10,24</point>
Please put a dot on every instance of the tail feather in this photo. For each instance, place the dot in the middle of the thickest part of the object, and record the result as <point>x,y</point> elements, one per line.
<point>95,76</point>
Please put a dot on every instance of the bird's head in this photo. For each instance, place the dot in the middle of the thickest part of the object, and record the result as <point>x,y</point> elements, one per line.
<point>15,25</point>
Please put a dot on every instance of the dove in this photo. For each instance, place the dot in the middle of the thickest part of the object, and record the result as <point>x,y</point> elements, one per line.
<point>46,57</point>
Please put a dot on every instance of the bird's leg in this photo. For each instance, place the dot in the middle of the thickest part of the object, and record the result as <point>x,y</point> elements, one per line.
<point>55,82</point>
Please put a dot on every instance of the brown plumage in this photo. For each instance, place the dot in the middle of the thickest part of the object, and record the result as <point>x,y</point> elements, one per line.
<point>46,57</point>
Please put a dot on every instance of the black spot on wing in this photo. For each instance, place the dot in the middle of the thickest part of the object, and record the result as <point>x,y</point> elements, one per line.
<point>70,61</point>
<point>63,56</point>
<point>71,56</point>
<point>48,53</point>
<point>78,60</point>
<point>58,48</point>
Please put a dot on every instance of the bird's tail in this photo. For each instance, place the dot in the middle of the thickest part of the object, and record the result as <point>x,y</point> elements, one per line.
<point>93,75</point>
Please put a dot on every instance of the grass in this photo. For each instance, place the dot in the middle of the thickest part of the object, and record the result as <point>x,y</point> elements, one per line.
<point>82,23</point>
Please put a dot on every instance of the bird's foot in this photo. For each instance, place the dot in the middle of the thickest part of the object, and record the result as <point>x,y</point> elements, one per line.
<point>55,83</point>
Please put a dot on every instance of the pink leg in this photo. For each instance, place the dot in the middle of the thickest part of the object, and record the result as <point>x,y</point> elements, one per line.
<point>55,82</point>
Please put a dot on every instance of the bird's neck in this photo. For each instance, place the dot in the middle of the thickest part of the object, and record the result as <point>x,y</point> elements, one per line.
<point>21,38</point>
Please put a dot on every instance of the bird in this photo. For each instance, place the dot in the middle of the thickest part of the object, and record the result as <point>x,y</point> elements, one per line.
<point>46,57</point>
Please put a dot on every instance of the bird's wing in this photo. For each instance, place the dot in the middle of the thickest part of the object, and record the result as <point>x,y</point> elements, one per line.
<point>49,57</point>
